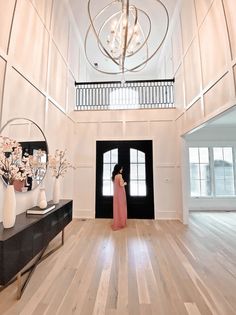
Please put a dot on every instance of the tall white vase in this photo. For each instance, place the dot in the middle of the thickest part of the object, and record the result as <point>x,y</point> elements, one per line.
<point>9,207</point>
<point>56,191</point>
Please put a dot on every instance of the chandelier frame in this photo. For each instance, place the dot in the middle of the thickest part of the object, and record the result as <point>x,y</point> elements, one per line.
<point>120,60</point>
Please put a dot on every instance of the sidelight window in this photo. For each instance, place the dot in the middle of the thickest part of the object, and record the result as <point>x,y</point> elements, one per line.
<point>223,171</point>
<point>200,171</point>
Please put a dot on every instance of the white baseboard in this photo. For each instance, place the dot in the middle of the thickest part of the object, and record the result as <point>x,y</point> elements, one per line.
<point>83,214</point>
<point>168,215</point>
<point>215,208</point>
<point>160,215</point>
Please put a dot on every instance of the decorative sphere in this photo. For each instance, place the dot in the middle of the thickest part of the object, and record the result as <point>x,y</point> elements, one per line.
<point>42,204</point>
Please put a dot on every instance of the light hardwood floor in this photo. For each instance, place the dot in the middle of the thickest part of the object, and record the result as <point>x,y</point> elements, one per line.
<point>150,267</point>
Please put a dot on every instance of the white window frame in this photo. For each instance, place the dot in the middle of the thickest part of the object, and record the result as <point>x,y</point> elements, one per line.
<point>211,145</point>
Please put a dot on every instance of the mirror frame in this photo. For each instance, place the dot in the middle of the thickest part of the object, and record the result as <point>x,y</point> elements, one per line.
<point>46,144</point>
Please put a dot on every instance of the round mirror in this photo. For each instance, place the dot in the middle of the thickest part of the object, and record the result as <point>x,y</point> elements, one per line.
<point>24,150</point>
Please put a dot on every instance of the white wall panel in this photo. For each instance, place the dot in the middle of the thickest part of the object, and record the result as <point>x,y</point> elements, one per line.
<point>164,135</point>
<point>193,115</point>
<point>192,71</point>
<point>71,99</point>
<point>217,96</point>
<point>110,130</point>
<point>44,8</point>
<point>22,99</point>
<point>29,43</point>
<point>177,45</point>
<point>58,77</point>
<point>56,128</point>
<point>213,43</point>
<point>136,130</point>
<point>60,27</point>
<point>6,12</point>
<point>230,9</point>
<point>169,68</point>
<point>202,7</point>
<point>166,207</point>
<point>180,125</point>
<point>26,74</point>
<point>2,73</point>
<point>73,53</point>
<point>188,21</point>
<point>161,70</point>
<point>164,154</point>
<point>124,115</point>
<point>179,90</point>
<point>85,142</point>
<point>85,190</point>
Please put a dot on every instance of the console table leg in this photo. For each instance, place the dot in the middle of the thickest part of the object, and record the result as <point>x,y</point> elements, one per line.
<point>21,287</point>
<point>18,294</point>
<point>62,237</point>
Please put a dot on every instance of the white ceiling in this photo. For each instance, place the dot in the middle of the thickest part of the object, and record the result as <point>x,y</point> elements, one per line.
<point>221,127</point>
<point>228,118</point>
<point>79,9</point>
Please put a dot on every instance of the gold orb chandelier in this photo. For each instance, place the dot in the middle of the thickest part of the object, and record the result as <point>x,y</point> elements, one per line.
<point>123,36</point>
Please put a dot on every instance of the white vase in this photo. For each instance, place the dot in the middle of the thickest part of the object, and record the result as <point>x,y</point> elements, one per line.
<point>56,191</point>
<point>9,207</point>
<point>42,201</point>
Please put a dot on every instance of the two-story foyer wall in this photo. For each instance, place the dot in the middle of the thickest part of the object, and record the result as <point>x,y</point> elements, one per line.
<point>39,62</point>
<point>200,53</point>
<point>155,125</point>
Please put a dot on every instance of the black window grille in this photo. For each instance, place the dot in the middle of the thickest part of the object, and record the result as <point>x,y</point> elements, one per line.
<point>128,95</point>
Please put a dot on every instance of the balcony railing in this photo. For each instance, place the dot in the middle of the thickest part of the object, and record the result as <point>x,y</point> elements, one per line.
<point>129,95</point>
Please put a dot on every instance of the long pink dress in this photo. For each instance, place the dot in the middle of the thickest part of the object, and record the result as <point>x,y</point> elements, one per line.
<point>119,204</point>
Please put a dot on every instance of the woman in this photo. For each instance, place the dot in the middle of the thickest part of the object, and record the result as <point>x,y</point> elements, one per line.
<point>119,199</point>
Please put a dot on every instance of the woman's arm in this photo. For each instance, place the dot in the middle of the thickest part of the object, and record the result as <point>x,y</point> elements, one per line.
<point>121,181</point>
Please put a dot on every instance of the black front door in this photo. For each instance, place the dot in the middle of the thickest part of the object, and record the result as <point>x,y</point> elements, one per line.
<point>136,159</point>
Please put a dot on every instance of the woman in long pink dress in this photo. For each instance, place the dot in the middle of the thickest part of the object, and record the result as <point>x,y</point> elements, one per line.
<point>119,199</point>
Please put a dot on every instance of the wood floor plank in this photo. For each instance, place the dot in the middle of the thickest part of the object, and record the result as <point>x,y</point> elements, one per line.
<point>150,267</point>
<point>192,309</point>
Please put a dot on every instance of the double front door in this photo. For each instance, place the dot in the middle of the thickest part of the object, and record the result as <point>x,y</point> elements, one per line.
<point>136,159</point>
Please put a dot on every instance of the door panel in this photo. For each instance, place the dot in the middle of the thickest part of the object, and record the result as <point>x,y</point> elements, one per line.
<point>136,159</point>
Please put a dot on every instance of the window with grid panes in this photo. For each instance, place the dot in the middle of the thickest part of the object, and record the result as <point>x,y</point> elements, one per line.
<point>212,171</point>
<point>199,172</point>
<point>137,173</point>
<point>110,158</point>
<point>223,171</point>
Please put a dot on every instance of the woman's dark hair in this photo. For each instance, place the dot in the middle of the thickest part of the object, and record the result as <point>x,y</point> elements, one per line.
<point>116,171</point>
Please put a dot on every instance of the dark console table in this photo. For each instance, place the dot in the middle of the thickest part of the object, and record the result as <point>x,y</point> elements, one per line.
<point>29,239</point>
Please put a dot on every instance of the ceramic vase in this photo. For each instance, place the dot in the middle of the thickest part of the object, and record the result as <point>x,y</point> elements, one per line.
<point>42,201</point>
<point>56,191</point>
<point>9,207</point>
